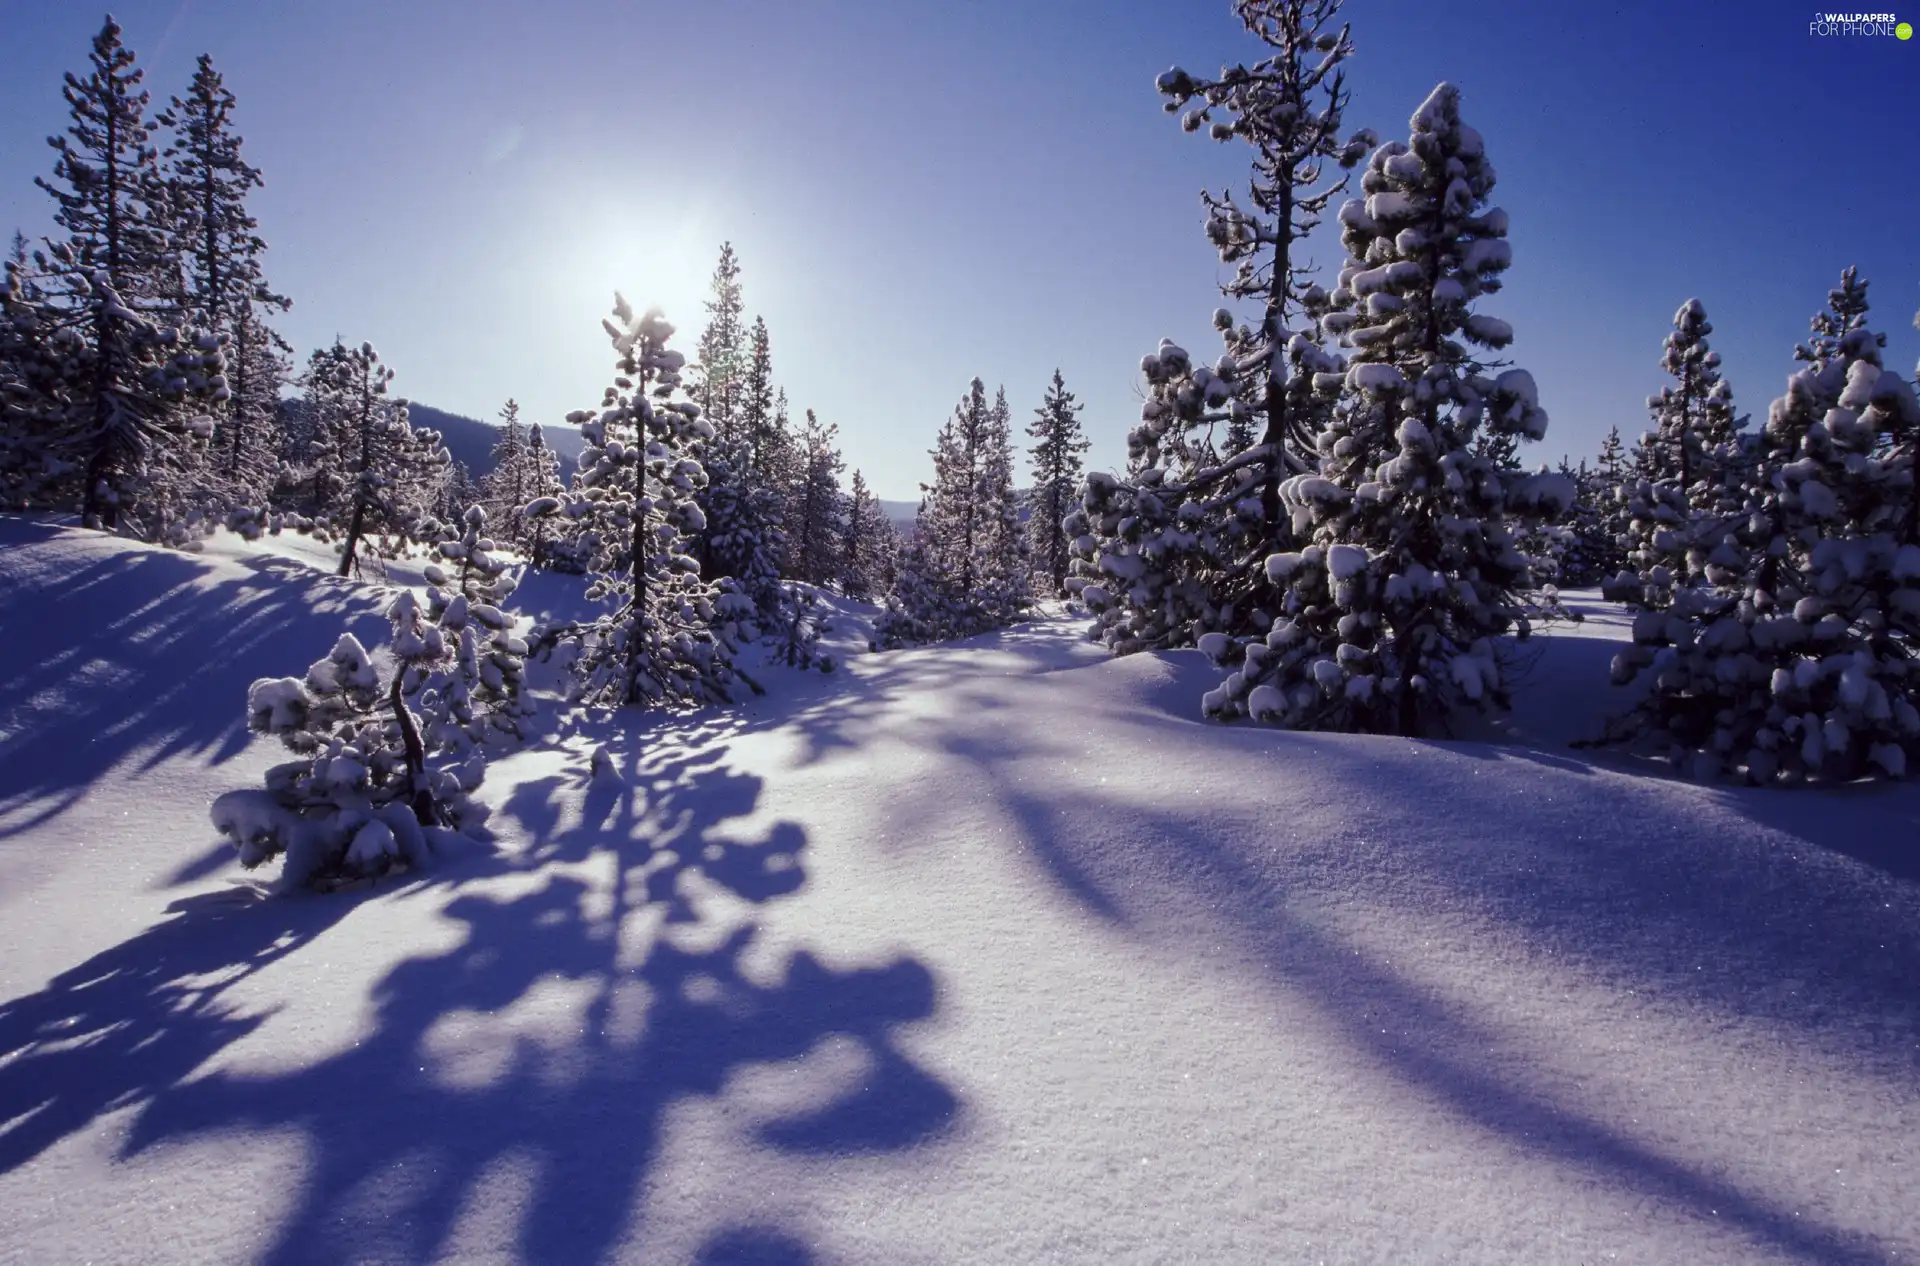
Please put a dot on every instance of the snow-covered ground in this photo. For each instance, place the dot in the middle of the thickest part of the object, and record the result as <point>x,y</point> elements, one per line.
<point>991,952</point>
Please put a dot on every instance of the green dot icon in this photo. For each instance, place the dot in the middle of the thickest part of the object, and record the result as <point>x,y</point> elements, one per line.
<point>1903,31</point>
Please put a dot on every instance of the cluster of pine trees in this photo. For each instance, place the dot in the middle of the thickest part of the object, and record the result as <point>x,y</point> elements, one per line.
<point>1332,508</point>
<point>141,378</point>
<point>1775,570</point>
<point>1336,509</point>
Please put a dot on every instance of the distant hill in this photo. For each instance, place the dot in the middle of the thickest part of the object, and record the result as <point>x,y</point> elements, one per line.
<point>471,441</point>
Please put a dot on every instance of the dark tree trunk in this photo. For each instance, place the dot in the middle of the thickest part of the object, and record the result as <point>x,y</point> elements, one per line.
<point>425,812</point>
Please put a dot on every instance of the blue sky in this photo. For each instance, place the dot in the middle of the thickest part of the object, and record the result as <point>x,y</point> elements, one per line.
<point>921,192</point>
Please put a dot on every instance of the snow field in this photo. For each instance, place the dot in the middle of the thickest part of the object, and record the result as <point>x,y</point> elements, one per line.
<point>983,952</point>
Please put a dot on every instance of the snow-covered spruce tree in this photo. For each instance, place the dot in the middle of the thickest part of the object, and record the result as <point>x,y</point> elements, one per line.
<point>1005,579</point>
<point>35,407</point>
<point>721,371</point>
<point>1592,555</point>
<point>384,768</point>
<point>1058,444</point>
<point>749,472</point>
<point>224,287</point>
<point>739,544</point>
<point>763,419</point>
<point>106,294</point>
<point>1174,549</point>
<point>468,585</point>
<point>1410,569</point>
<point>1603,490</point>
<point>506,489</point>
<point>965,572</point>
<point>388,472</point>
<point>540,516</point>
<point>662,640</point>
<point>314,482</point>
<point>454,492</point>
<point>863,544</point>
<point>1846,312</point>
<point>819,507</point>
<point>922,605</point>
<point>1692,494</point>
<point>1798,659</point>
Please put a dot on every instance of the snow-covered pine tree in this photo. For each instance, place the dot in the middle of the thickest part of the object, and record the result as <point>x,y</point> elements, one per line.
<point>763,418</point>
<point>965,571</point>
<point>1005,580</point>
<point>1411,569</point>
<point>721,371</point>
<point>749,467</point>
<point>662,642</point>
<point>819,507</point>
<point>1174,549</point>
<point>543,464</point>
<point>106,295</point>
<point>863,544</point>
<point>468,585</point>
<point>224,287</point>
<point>1058,444</point>
<point>315,482</point>
<point>1592,556</point>
<point>34,405</point>
<point>1846,312</point>
<point>389,471</point>
<point>540,516</point>
<point>1800,658</point>
<point>951,523</point>
<point>383,769</point>
<point>454,493</point>
<point>740,541</point>
<point>1691,494</point>
<point>508,487</point>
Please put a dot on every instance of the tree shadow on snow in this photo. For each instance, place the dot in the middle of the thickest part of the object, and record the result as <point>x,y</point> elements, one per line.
<point>144,650</point>
<point>1830,968</point>
<point>135,1020</point>
<point>614,975</point>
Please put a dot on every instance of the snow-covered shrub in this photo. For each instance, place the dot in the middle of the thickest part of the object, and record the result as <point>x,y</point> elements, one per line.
<point>383,768</point>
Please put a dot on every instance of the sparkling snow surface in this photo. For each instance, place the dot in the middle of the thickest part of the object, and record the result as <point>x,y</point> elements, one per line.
<point>991,952</point>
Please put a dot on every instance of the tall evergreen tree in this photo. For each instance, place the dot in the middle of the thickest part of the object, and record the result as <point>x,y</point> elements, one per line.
<point>1058,444</point>
<point>1691,492</point>
<point>1006,562</point>
<point>538,517</point>
<point>508,487</point>
<point>723,351</point>
<point>660,642</point>
<point>1177,545</point>
<point>104,286</point>
<point>865,544</point>
<point>751,473</point>
<point>819,507</point>
<point>387,473</point>
<point>1413,568</point>
<point>224,287</point>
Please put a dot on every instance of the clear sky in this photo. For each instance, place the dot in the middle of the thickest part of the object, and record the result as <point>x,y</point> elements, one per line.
<point>922,191</point>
